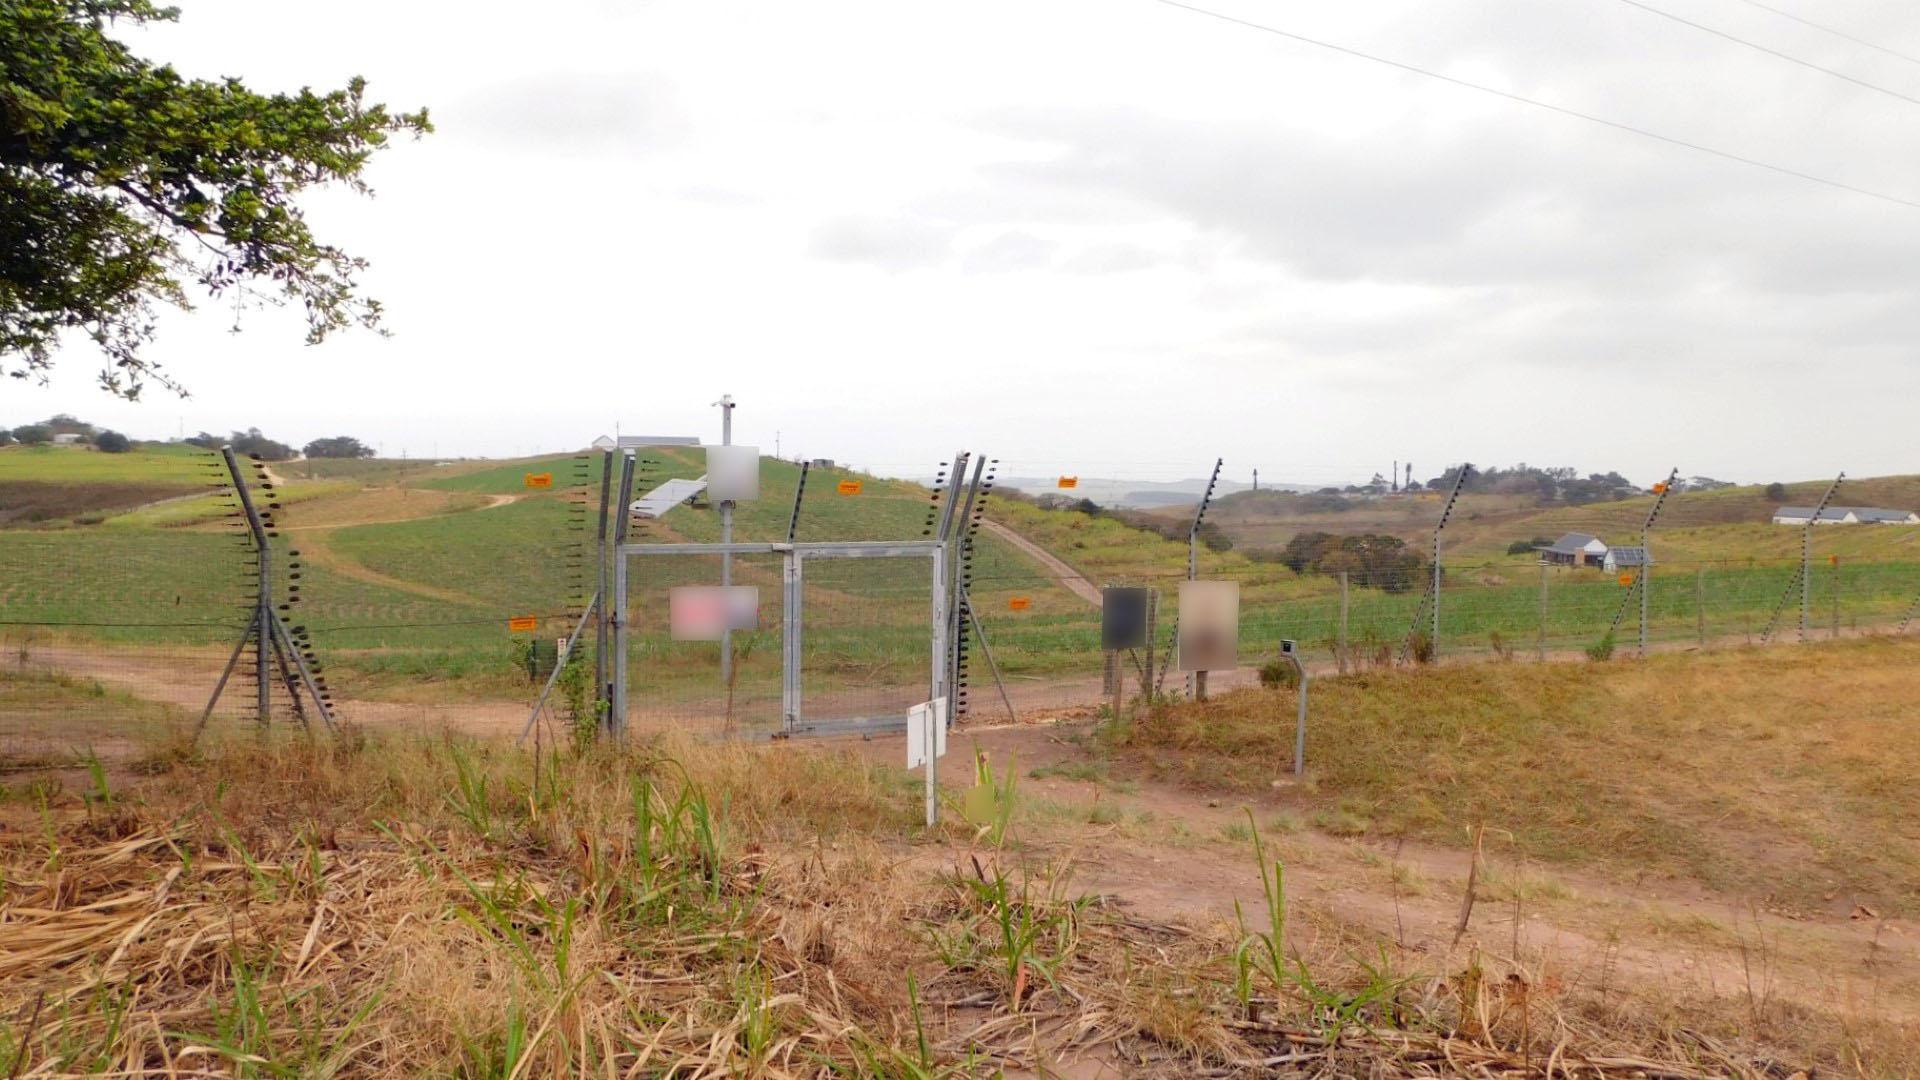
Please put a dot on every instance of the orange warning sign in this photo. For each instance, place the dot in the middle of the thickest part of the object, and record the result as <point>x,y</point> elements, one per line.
<point>1069,481</point>
<point>1626,579</point>
<point>1660,488</point>
<point>521,623</point>
<point>848,487</point>
<point>1019,603</point>
<point>1833,560</point>
<point>539,479</point>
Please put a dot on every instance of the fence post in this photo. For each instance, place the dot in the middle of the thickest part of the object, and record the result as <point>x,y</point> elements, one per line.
<point>1700,604</point>
<point>1540,644</point>
<point>1341,652</point>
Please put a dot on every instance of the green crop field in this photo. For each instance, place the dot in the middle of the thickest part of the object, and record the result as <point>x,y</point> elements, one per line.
<point>408,573</point>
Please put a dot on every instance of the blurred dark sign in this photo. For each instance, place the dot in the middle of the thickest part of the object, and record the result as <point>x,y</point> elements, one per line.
<point>1123,618</point>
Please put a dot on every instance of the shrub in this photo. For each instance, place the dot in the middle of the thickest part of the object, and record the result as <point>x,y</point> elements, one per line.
<point>33,434</point>
<point>1278,674</point>
<point>1528,547</point>
<point>1420,647</point>
<point>1601,650</point>
<point>112,442</point>
<point>1777,491</point>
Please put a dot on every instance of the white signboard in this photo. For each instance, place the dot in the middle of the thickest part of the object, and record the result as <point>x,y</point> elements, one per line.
<point>926,721</point>
<point>733,473</point>
<point>1209,625</point>
<point>707,612</point>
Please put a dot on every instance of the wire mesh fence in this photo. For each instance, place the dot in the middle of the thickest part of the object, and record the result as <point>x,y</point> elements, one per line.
<point>443,593</point>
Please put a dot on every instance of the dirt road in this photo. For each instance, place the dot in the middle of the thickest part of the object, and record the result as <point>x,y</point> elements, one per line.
<point>1072,580</point>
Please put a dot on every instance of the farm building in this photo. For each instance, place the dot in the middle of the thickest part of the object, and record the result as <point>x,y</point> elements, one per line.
<point>1845,515</point>
<point>1575,549</point>
<point>67,438</point>
<point>1626,558</point>
<point>641,442</point>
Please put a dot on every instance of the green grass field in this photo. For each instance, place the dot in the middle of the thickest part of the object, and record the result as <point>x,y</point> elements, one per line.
<point>410,570</point>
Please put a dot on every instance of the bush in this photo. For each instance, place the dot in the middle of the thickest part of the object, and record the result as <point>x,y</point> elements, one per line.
<point>1420,647</point>
<point>6,437</point>
<point>1602,650</point>
<point>1278,674</point>
<point>112,442</point>
<point>339,446</point>
<point>1528,547</point>
<point>1777,491</point>
<point>33,434</point>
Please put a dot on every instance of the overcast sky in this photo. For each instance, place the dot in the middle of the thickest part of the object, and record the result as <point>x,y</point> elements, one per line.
<point>1114,238</point>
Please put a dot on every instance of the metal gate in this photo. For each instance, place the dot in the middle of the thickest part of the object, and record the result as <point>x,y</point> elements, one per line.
<point>859,625</point>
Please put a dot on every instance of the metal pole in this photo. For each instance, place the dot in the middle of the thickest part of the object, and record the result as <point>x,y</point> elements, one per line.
<point>613,604</point>
<point>600,592</point>
<point>579,628</point>
<point>1342,648</point>
<point>986,650</point>
<point>1806,557</point>
<point>726,537</point>
<point>799,493</point>
<point>1540,643</point>
<point>1300,722</point>
<point>1700,605</point>
<point>617,706</point>
<point>263,602</point>
<point>964,602</point>
<point>940,687</point>
<point>1197,681</point>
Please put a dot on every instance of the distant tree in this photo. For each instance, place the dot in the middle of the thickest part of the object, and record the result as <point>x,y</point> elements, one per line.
<point>1087,506</point>
<point>206,440</point>
<point>123,181</point>
<point>339,446</point>
<point>250,443</point>
<point>33,434</point>
<point>6,437</point>
<point>112,442</point>
<point>68,424</point>
<point>1776,491</point>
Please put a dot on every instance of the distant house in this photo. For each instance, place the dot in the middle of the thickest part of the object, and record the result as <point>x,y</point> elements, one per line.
<point>823,463</point>
<point>1626,558</point>
<point>1575,549</point>
<point>641,442</point>
<point>1845,515</point>
<point>67,438</point>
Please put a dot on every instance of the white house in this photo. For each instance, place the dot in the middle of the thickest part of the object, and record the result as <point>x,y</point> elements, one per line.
<point>1626,558</point>
<point>67,438</point>
<point>1845,515</point>
<point>641,442</point>
<point>1575,549</point>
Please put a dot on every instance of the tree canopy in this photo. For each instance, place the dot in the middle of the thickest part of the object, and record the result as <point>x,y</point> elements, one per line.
<point>124,181</point>
<point>338,446</point>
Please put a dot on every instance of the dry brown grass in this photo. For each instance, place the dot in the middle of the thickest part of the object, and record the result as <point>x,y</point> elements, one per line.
<point>439,906</point>
<point>1780,773</point>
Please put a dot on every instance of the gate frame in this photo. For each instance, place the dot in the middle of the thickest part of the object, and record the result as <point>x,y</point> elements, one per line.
<point>792,618</point>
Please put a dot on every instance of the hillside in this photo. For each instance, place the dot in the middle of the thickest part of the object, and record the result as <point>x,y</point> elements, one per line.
<point>410,570</point>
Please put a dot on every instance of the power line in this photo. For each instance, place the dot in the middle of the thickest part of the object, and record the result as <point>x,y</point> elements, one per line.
<point>1705,29</point>
<point>1842,34</point>
<point>1538,104</point>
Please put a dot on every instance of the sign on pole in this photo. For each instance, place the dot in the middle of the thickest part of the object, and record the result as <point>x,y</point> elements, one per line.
<point>523,623</point>
<point>930,716</point>
<point>538,479</point>
<point>848,487</point>
<point>1209,625</point>
<point>1123,618</point>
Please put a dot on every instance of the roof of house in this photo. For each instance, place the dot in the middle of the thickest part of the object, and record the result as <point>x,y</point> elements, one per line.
<point>1573,543</point>
<point>1630,556</point>
<point>640,442</point>
<point>1839,513</point>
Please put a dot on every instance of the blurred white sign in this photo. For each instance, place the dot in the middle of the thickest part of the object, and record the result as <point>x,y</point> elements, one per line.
<point>707,612</point>
<point>733,473</point>
<point>927,721</point>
